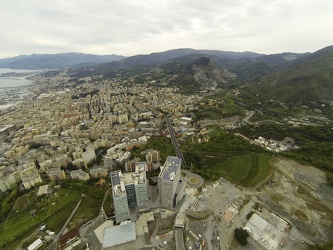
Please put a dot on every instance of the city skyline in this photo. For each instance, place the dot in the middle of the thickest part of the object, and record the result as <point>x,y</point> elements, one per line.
<point>129,28</point>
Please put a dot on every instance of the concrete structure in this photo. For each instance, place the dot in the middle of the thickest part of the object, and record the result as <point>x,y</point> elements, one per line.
<point>6,129</point>
<point>69,240</point>
<point>270,236</point>
<point>80,175</point>
<point>171,184</point>
<point>8,181</point>
<point>129,190</point>
<point>35,245</point>
<point>80,163</point>
<point>98,172</point>
<point>139,181</point>
<point>130,165</point>
<point>123,118</point>
<point>88,155</point>
<point>119,197</point>
<point>42,190</point>
<point>81,159</point>
<point>121,234</point>
<point>153,156</point>
<point>57,174</point>
<point>30,177</point>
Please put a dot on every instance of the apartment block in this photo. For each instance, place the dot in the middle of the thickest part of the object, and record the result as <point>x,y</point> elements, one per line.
<point>153,156</point>
<point>80,163</point>
<point>57,174</point>
<point>79,175</point>
<point>30,177</point>
<point>98,172</point>
<point>7,181</point>
<point>130,165</point>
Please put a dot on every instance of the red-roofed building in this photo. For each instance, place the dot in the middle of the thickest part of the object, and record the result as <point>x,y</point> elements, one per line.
<point>69,240</point>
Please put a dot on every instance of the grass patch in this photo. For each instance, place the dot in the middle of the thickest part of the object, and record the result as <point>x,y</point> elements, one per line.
<point>230,156</point>
<point>53,209</point>
<point>108,203</point>
<point>21,202</point>
<point>89,208</point>
<point>246,170</point>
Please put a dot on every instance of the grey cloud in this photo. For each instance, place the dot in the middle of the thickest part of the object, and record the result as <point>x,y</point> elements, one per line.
<point>131,27</point>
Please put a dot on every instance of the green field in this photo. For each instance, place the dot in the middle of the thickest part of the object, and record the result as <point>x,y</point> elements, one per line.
<point>230,156</point>
<point>89,208</point>
<point>52,209</point>
<point>246,170</point>
<point>108,203</point>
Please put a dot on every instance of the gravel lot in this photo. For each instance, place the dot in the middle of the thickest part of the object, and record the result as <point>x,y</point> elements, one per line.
<point>297,193</point>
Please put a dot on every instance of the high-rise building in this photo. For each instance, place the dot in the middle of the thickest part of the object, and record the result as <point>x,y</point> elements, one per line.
<point>119,197</point>
<point>139,178</point>
<point>171,184</point>
<point>129,190</point>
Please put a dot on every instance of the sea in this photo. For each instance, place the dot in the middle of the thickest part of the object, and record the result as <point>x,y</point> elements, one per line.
<point>13,89</point>
<point>12,82</point>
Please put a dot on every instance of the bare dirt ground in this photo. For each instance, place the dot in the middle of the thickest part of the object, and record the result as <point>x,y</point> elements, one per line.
<point>301,196</point>
<point>295,192</point>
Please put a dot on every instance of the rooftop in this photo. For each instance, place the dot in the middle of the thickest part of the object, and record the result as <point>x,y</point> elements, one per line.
<point>115,178</point>
<point>43,190</point>
<point>117,235</point>
<point>68,237</point>
<point>170,168</point>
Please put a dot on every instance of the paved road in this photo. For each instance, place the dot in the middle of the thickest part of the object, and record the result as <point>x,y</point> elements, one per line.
<point>179,233</point>
<point>247,118</point>
<point>174,142</point>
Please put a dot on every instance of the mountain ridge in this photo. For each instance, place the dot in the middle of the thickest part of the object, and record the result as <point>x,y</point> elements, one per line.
<point>59,60</point>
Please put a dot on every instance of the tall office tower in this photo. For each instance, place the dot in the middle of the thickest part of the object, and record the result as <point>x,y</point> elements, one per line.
<point>129,190</point>
<point>136,185</point>
<point>171,184</point>
<point>141,184</point>
<point>120,202</point>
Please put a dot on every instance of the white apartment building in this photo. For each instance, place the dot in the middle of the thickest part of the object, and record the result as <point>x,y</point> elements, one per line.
<point>171,184</point>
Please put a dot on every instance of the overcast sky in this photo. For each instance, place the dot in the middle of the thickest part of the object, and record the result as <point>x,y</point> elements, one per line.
<point>130,27</point>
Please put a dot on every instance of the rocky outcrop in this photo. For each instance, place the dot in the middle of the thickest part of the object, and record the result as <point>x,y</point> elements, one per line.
<point>210,76</point>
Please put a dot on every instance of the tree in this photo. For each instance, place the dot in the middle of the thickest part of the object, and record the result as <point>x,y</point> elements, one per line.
<point>241,235</point>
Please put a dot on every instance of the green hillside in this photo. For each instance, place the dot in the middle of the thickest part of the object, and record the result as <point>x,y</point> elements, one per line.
<point>309,79</point>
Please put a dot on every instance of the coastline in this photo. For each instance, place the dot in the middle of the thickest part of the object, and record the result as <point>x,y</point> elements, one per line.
<point>13,89</point>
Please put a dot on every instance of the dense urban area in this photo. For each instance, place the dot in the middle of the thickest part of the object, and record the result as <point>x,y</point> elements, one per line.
<point>131,162</point>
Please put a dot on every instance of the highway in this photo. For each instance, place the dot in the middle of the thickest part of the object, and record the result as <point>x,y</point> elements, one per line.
<point>174,142</point>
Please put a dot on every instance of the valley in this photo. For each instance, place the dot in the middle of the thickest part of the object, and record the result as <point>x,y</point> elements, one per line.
<point>254,131</point>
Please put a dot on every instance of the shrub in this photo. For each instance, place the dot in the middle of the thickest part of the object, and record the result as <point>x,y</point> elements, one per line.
<point>241,235</point>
